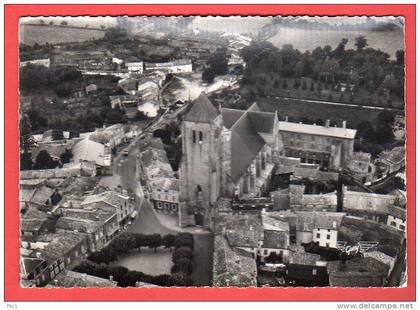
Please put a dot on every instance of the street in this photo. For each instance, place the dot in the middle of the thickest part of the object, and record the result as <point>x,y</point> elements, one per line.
<point>147,222</point>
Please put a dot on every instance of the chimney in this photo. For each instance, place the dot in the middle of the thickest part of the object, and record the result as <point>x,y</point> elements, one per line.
<point>55,282</point>
<point>286,119</point>
<point>327,123</point>
<point>111,278</point>
<point>344,124</point>
<point>38,255</point>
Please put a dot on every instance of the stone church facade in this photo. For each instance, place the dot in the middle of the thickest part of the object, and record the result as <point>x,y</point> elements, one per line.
<point>225,153</point>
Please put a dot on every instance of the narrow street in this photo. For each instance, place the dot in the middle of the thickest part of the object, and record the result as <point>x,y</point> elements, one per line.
<point>147,222</point>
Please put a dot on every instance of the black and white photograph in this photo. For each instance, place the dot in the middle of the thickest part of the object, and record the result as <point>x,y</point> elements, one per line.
<point>209,151</point>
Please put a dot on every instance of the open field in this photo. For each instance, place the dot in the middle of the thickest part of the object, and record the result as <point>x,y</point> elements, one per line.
<point>31,34</point>
<point>147,261</point>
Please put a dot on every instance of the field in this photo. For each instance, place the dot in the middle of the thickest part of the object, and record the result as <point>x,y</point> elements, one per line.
<point>308,40</point>
<point>315,111</point>
<point>31,34</point>
<point>147,261</point>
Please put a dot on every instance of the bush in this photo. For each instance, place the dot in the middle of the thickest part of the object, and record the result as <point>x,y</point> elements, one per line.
<point>182,252</point>
<point>184,240</point>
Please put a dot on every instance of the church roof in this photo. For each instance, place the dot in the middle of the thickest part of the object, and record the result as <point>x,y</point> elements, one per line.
<point>263,122</point>
<point>246,143</point>
<point>230,116</point>
<point>201,110</point>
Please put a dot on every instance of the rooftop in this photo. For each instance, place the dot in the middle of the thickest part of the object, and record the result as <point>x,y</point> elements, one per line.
<point>307,220</point>
<point>335,132</point>
<point>357,272</point>
<point>241,230</point>
<point>70,279</point>
<point>60,244</point>
<point>303,258</point>
<point>232,267</point>
<point>201,110</point>
<point>88,150</point>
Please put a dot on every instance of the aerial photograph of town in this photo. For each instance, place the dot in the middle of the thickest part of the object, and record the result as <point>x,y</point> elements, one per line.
<point>207,151</point>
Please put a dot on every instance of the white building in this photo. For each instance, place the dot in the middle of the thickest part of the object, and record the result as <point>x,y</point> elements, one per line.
<point>39,62</point>
<point>175,66</point>
<point>135,66</point>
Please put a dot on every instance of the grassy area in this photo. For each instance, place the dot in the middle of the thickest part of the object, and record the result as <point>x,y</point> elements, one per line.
<point>31,34</point>
<point>319,111</point>
<point>273,84</point>
<point>147,261</point>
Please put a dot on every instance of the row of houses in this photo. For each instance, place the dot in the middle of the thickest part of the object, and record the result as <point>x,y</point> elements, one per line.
<point>283,239</point>
<point>64,217</point>
<point>157,177</point>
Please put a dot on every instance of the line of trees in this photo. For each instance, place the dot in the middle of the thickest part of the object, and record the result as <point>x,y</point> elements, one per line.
<point>130,241</point>
<point>367,68</point>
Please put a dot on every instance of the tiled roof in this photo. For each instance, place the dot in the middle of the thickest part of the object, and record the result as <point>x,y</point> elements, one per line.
<point>167,184</point>
<point>34,213</point>
<point>336,132</point>
<point>357,272</point>
<point>355,229</point>
<point>61,244</point>
<point>307,221</point>
<point>276,239</point>
<point>397,212</point>
<point>201,110</point>
<point>241,230</point>
<point>381,257</point>
<point>232,267</point>
<point>33,225</point>
<point>88,150</point>
<point>246,143</point>
<point>326,199</point>
<point>70,279</point>
<point>42,195</point>
<point>230,116</point>
<point>263,122</point>
<point>303,258</point>
<point>271,223</point>
<point>110,197</point>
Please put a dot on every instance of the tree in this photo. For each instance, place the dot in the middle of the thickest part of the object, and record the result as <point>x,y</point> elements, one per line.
<point>44,161</point>
<point>51,23</point>
<point>66,156</point>
<point>64,23</point>
<point>168,241</point>
<point>41,22</point>
<point>208,76</point>
<point>400,57</point>
<point>140,241</point>
<point>184,240</point>
<point>361,43</point>
<point>155,241</point>
<point>102,27</point>
<point>218,63</point>
<point>25,161</point>
<point>182,252</point>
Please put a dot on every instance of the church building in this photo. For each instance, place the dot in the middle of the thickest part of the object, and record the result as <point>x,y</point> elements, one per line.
<point>225,153</point>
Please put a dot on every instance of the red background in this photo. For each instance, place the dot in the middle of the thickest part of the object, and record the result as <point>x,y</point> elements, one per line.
<point>13,291</point>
